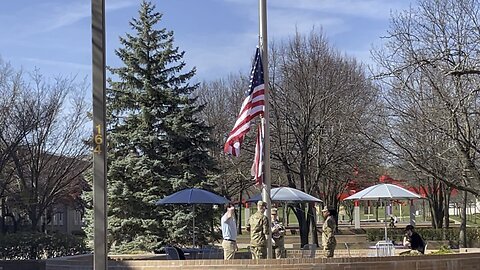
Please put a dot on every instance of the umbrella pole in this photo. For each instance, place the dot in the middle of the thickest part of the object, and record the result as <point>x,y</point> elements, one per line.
<point>193,211</point>
<point>386,229</point>
<point>387,205</point>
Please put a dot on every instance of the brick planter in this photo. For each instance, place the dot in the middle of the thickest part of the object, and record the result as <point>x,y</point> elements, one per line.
<point>466,261</point>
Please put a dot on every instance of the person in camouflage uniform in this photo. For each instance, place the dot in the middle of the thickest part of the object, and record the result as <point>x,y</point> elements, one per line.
<point>328,232</point>
<point>258,227</point>
<point>278,236</point>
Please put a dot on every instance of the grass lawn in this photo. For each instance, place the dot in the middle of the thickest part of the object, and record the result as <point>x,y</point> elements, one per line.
<point>403,213</point>
<point>472,220</point>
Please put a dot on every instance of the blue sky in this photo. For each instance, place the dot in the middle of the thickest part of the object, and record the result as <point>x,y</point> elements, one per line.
<point>218,36</point>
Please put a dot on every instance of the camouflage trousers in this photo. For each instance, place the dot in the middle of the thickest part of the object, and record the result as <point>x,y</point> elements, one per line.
<point>328,250</point>
<point>278,246</point>
<point>258,252</point>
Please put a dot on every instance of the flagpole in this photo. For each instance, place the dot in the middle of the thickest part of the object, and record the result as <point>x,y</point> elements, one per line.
<point>266,175</point>
<point>100,252</point>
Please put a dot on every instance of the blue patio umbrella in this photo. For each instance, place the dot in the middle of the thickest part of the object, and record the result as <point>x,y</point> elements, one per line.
<point>193,196</point>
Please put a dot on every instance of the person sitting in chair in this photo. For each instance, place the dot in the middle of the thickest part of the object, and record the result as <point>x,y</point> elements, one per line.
<point>393,220</point>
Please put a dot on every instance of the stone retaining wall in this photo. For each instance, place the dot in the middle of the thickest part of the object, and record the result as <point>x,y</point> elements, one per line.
<point>470,261</point>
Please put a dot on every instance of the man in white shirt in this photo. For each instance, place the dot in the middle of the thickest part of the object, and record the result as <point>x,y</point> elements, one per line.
<point>229,233</point>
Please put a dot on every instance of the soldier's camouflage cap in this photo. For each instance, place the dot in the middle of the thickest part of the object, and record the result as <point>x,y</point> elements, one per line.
<point>262,203</point>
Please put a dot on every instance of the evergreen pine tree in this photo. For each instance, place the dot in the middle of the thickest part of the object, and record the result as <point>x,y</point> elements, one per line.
<point>157,144</point>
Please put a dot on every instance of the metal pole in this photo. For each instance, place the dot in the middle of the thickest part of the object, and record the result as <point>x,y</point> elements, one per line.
<point>99,136</point>
<point>193,212</point>
<point>266,175</point>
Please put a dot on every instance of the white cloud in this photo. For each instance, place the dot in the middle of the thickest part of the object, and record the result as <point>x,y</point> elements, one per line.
<point>47,16</point>
<point>60,65</point>
<point>340,20</point>
<point>56,26</point>
<point>374,9</point>
<point>68,14</point>
<point>217,62</point>
<point>62,16</point>
<point>282,23</point>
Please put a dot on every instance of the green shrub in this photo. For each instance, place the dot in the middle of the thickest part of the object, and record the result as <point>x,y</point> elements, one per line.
<point>377,234</point>
<point>442,250</point>
<point>451,234</point>
<point>34,246</point>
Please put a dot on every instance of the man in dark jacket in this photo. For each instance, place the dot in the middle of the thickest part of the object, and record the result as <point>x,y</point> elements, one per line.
<point>413,240</point>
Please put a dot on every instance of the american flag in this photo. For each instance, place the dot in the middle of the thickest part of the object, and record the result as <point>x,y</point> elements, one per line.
<point>257,166</point>
<point>253,105</point>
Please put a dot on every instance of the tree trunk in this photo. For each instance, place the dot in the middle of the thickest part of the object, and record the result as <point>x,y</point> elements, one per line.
<point>2,219</point>
<point>446,207</point>
<point>303,226</point>
<point>311,221</point>
<point>15,223</point>
<point>462,238</point>
<point>446,221</point>
<point>239,223</point>
<point>33,216</point>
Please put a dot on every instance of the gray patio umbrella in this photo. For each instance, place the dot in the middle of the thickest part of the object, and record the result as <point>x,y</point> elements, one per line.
<point>384,192</point>
<point>193,196</point>
<point>286,194</point>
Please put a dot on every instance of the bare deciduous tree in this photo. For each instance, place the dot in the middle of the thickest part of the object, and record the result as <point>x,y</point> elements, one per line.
<point>430,67</point>
<point>43,153</point>
<point>320,100</point>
